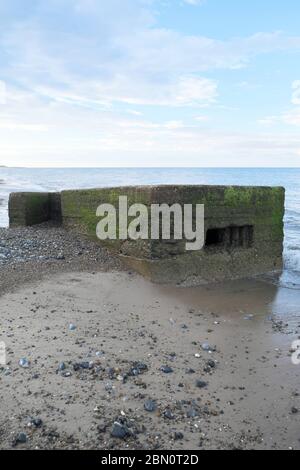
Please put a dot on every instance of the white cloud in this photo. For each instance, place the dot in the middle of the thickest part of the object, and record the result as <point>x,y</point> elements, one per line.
<point>201,118</point>
<point>194,2</point>
<point>291,117</point>
<point>269,120</point>
<point>174,125</point>
<point>134,112</point>
<point>22,126</point>
<point>96,137</point>
<point>121,145</point>
<point>119,55</point>
<point>179,91</point>
<point>2,92</point>
<point>192,90</point>
<point>182,91</point>
<point>79,66</point>
<point>296,92</point>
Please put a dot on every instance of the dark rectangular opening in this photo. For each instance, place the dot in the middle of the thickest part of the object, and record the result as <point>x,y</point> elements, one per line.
<point>230,237</point>
<point>215,236</point>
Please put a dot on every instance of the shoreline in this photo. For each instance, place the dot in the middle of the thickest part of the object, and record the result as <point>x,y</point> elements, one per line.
<point>242,394</point>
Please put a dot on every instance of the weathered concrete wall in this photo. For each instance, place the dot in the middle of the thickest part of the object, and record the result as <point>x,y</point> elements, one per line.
<point>55,213</point>
<point>243,226</point>
<point>256,212</point>
<point>27,209</point>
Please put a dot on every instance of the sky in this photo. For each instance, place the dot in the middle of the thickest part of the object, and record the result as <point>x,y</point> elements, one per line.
<point>150,83</point>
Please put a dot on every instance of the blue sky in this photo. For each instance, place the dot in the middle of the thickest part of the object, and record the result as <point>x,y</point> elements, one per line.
<point>150,83</point>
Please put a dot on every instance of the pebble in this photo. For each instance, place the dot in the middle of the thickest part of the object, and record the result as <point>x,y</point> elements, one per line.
<point>137,368</point>
<point>248,317</point>
<point>47,244</point>
<point>166,369</point>
<point>211,363</point>
<point>82,365</point>
<point>120,431</point>
<point>192,413</point>
<point>67,374</point>
<point>100,353</point>
<point>21,438</point>
<point>150,406</point>
<point>178,436</point>
<point>101,427</point>
<point>209,366</point>
<point>35,422</point>
<point>201,384</point>
<point>207,347</point>
<point>24,363</point>
<point>168,414</point>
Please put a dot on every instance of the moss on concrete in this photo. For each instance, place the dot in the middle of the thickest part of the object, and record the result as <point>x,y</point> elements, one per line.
<point>225,206</point>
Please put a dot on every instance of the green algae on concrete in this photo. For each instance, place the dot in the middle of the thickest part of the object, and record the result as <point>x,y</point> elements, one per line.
<point>251,214</point>
<point>225,206</point>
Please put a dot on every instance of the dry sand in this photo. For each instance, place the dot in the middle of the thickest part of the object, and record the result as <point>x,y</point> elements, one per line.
<point>249,399</point>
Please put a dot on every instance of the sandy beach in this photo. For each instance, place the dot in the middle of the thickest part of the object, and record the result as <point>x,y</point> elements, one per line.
<point>149,228</point>
<point>115,362</point>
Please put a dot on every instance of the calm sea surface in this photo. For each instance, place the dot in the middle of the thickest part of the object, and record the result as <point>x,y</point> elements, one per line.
<point>12,179</point>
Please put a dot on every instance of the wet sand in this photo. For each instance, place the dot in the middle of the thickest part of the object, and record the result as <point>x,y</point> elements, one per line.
<point>243,394</point>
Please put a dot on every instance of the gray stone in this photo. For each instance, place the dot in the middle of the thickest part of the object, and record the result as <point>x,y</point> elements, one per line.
<point>24,363</point>
<point>166,369</point>
<point>120,431</point>
<point>150,406</point>
<point>21,438</point>
<point>201,384</point>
